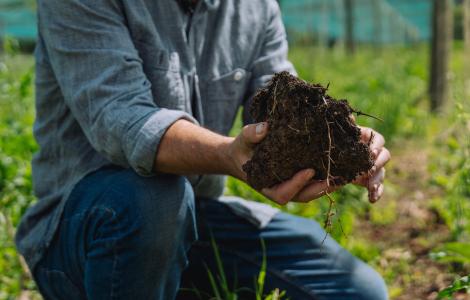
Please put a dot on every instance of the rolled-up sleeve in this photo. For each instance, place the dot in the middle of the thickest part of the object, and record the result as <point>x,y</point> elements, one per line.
<point>101,77</point>
<point>272,57</point>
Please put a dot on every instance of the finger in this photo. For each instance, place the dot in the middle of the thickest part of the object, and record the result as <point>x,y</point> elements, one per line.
<point>285,191</point>
<point>377,143</point>
<point>377,194</point>
<point>376,180</point>
<point>380,162</point>
<point>315,190</point>
<point>254,133</point>
<point>383,158</point>
<point>366,133</point>
<point>375,175</point>
<point>376,140</point>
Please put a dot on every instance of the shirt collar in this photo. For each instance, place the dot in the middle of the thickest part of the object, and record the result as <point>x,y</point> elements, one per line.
<point>188,7</point>
<point>212,4</point>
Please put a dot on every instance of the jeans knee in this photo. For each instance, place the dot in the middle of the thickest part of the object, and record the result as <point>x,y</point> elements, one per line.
<point>367,283</point>
<point>160,207</point>
<point>167,208</point>
<point>139,229</point>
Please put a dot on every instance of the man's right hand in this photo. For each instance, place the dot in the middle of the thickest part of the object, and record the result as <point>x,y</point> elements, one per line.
<point>299,188</point>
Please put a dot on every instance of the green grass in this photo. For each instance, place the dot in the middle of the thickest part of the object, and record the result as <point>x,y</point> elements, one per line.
<point>16,148</point>
<point>390,84</point>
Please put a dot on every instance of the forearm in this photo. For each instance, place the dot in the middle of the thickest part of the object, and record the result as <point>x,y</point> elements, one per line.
<point>190,149</point>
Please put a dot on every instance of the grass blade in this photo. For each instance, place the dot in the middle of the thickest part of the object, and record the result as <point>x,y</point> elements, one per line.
<point>262,273</point>
<point>213,283</point>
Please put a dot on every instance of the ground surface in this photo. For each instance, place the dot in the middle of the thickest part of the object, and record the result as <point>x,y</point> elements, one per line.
<point>406,243</point>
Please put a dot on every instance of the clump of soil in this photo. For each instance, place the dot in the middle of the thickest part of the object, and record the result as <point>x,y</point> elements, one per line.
<point>307,129</point>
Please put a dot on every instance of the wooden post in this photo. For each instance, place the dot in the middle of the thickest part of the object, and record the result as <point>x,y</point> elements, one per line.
<point>441,44</point>
<point>466,37</point>
<point>349,26</point>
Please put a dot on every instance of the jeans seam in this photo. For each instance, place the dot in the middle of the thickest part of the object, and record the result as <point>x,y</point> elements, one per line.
<point>273,272</point>
<point>113,273</point>
<point>110,210</point>
<point>114,284</point>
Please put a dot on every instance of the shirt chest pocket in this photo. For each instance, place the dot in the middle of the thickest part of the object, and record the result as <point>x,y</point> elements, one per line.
<point>163,70</point>
<point>221,98</point>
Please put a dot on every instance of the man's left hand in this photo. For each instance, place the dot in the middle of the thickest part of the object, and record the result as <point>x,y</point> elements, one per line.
<point>373,180</point>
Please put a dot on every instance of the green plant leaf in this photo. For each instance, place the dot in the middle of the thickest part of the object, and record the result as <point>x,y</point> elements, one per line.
<point>461,284</point>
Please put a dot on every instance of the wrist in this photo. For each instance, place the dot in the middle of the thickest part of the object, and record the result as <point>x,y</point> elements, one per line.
<point>227,157</point>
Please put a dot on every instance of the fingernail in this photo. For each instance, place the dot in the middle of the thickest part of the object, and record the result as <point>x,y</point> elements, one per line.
<point>376,187</point>
<point>260,128</point>
<point>310,173</point>
<point>375,152</point>
<point>373,169</point>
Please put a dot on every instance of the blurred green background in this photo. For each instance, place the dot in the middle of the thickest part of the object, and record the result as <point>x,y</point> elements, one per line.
<point>417,236</point>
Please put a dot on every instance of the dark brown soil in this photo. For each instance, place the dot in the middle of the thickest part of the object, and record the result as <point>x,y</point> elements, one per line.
<point>307,129</point>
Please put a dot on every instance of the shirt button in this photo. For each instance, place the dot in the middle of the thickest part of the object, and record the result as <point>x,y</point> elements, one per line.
<point>238,75</point>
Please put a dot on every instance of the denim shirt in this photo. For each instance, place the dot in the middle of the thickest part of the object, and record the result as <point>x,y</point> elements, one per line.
<point>113,75</point>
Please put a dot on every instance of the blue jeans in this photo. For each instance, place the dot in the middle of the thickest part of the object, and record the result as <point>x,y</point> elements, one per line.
<point>123,236</point>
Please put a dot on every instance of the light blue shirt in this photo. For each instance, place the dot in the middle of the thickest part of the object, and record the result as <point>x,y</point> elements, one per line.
<point>113,75</point>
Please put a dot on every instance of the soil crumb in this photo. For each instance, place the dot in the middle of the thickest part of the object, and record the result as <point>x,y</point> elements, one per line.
<point>307,129</point>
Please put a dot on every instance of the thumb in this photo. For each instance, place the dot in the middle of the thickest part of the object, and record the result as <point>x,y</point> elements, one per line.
<point>254,133</point>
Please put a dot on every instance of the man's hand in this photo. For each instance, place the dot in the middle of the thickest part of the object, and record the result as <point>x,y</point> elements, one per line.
<point>301,188</point>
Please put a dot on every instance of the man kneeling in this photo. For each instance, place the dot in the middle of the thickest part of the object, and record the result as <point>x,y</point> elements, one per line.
<point>134,103</point>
